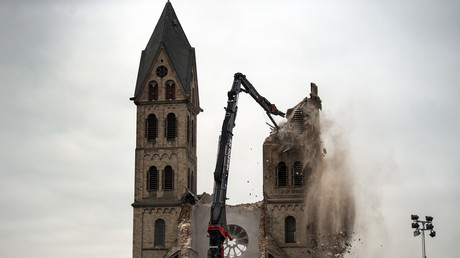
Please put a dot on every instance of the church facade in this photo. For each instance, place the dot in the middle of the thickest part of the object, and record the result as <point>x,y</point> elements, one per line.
<point>170,219</point>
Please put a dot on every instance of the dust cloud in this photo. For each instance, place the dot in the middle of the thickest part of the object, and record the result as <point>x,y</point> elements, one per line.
<point>329,197</point>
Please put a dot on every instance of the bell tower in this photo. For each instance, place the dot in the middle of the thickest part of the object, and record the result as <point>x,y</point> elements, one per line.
<point>290,158</point>
<point>167,102</point>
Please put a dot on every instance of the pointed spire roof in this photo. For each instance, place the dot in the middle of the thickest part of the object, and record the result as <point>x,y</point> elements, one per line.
<point>169,34</point>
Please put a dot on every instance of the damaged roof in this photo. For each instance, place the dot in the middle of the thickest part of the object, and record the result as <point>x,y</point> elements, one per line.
<point>168,33</point>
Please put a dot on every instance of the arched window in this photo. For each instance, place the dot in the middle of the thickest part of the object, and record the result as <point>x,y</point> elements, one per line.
<point>168,182</point>
<point>297,175</point>
<point>153,90</point>
<point>281,174</point>
<point>171,126</point>
<point>170,90</point>
<point>289,226</point>
<point>152,179</point>
<point>159,232</point>
<point>152,128</point>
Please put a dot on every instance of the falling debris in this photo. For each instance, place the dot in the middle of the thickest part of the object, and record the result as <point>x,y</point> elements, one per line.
<point>328,206</point>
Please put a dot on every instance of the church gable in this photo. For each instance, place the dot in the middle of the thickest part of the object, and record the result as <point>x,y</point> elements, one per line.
<point>167,35</point>
<point>162,82</point>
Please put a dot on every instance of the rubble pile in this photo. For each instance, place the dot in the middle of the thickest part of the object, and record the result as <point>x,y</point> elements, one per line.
<point>185,230</point>
<point>329,245</point>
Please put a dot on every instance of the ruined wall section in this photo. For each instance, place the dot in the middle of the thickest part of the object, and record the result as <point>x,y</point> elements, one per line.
<point>290,156</point>
<point>308,194</point>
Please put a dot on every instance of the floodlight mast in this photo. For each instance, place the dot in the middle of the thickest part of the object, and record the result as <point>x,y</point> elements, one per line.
<point>423,244</point>
<point>426,225</point>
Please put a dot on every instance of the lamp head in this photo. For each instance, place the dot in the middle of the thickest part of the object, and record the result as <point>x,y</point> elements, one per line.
<point>414,217</point>
<point>415,225</point>
<point>429,218</point>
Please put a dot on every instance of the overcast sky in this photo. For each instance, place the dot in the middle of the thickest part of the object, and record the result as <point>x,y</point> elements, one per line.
<point>388,74</point>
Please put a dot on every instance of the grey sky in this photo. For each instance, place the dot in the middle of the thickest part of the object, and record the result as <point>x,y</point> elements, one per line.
<point>387,71</point>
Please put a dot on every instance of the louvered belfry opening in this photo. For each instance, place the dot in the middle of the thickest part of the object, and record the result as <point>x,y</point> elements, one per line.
<point>171,127</point>
<point>281,174</point>
<point>297,174</point>
<point>168,179</point>
<point>152,130</point>
<point>152,179</point>
<point>299,120</point>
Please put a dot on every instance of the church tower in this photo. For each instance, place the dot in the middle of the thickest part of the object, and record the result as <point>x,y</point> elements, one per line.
<point>167,101</point>
<point>290,157</point>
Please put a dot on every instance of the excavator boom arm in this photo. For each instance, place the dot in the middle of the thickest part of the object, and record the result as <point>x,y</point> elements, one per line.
<point>217,227</point>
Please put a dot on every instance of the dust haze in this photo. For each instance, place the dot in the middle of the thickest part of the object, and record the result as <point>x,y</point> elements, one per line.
<point>329,199</point>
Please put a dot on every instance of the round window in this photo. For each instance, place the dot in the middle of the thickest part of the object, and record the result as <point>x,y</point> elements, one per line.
<point>162,71</point>
<point>239,244</point>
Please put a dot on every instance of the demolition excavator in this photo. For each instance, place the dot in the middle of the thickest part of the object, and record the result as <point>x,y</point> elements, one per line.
<point>217,228</point>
